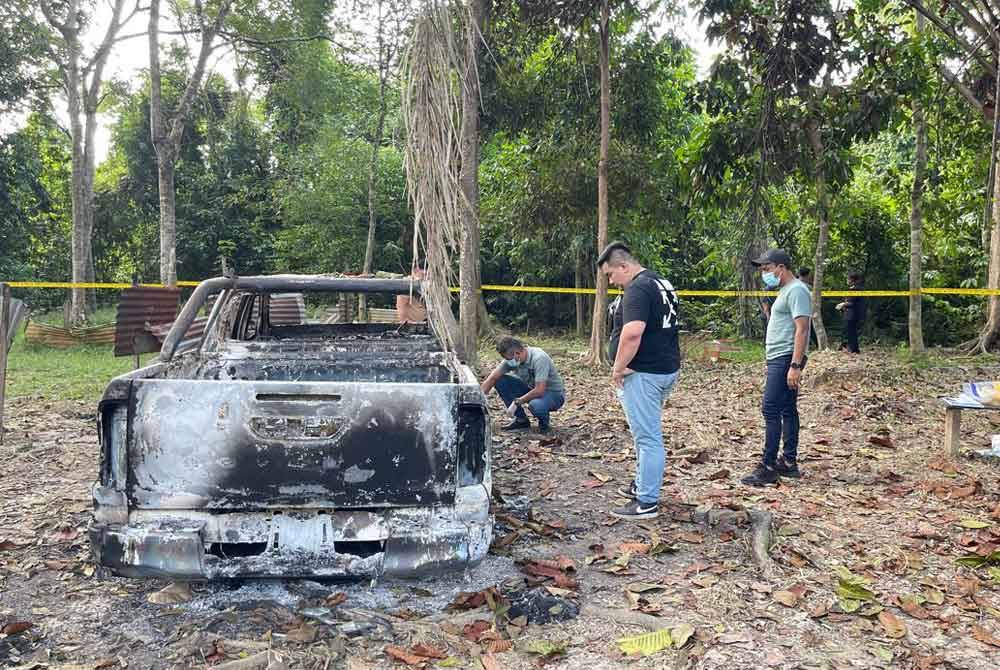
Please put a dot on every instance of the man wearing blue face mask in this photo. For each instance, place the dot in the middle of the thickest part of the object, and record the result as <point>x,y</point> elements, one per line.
<point>526,376</point>
<point>785,350</point>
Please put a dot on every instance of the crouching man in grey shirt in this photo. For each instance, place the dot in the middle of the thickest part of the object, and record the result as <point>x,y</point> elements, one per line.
<point>526,376</point>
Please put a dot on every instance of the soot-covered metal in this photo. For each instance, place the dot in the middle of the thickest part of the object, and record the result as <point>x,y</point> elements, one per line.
<point>293,450</point>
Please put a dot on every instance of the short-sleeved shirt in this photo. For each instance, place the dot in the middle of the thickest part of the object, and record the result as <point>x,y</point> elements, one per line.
<point>652,299</point>
<point>792,302</point>
<point>538,367</point>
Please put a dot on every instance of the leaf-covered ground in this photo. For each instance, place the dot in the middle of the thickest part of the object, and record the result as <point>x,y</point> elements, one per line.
<point>881,556</point>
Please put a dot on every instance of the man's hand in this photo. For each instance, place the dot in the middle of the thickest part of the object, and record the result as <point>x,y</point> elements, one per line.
<point>794,377</point>
<point>618,377</point>
<point>841,305</point>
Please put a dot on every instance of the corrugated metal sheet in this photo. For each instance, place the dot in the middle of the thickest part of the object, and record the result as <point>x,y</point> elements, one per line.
<point>138,309</point>
<point>287,309</point>
<point>42,333</point>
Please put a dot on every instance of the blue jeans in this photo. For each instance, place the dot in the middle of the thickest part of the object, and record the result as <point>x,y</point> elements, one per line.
<point>642,399</point>
<point>509,387</point>
<point>781,412</point>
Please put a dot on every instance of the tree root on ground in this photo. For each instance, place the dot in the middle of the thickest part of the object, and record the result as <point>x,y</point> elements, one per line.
<point>760,531</point>
<point>626,617</point>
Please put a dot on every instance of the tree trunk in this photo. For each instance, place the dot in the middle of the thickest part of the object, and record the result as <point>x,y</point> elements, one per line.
<point>823,221</point>
<point>916,328</point>
<point>383,74</point>
<point>469,270</point>
<point>168,218</point>
<point>78,181</point>
<point>90,103</point>
<point>989,336</point>
<point>598,355</point>
<point>167,142</point>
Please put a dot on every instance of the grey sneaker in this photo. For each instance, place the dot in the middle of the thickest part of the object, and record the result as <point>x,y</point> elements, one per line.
<point>636,510</point>
<point>627,491</point>
<point>761,476</point>
<point>786,469</point>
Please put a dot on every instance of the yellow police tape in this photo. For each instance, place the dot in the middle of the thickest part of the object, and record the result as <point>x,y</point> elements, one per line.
<point>695,293</point>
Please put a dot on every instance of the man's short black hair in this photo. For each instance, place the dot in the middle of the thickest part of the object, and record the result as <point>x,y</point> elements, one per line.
<point>507,344</point>
<point>609,251</point>
<point>805,272</point>
<point>855,276</point>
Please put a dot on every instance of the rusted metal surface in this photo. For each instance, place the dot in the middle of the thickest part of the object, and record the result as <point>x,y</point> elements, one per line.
<point>293,449</point>
<point>139,309</point>
<point>56,336</point>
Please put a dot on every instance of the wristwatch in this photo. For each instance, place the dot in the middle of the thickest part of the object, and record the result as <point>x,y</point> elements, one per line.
<point>797,366</point>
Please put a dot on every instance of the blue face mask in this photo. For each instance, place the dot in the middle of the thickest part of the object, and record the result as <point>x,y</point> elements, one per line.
<point>513,362</point>
<point>770,280</point>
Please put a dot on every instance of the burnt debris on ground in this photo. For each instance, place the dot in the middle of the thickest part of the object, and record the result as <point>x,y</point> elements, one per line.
<point>886,553</point>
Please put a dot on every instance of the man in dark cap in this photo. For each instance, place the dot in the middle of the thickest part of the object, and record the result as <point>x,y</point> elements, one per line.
<point>785,350</point>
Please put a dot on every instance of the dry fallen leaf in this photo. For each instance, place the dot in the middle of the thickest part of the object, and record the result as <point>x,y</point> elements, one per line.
<point>421,649</point>
<point>891,623</point>
<point>634,547</point>
<point>498,646</point>
<point>303,633</point>
<point>786,598</point>
<point>16,627</point>
<point>984,636</point>
<point>172,594</point>
<point>490,662</point>
<point>65,534</point>
<point>404,656</point>
<point>335,599</point>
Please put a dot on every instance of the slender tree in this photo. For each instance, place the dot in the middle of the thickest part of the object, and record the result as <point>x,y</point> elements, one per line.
<point>82,81</point>
<point>167,134</point>
<point>389,17</point>
<point>915,317</point>
<point>598,354</point>
<point>469,278</point>
<point>971,29</point>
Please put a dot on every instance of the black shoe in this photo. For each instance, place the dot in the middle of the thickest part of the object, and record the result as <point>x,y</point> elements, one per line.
<point>636,510</point>
<point>544,428</point>
<point>628,491</point>
<point>517,424</point>
<point>786,469</point>
<point>761,476</point>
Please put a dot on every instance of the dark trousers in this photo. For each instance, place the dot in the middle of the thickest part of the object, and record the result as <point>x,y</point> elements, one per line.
<point>781,412</point>
<point>851,328</point>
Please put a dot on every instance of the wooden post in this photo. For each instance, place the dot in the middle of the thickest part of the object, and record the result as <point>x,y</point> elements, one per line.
<point>952,430</point>
<point>4,316</point>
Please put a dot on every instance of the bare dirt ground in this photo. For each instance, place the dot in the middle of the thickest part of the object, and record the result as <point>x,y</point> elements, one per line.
<point>863,572</point>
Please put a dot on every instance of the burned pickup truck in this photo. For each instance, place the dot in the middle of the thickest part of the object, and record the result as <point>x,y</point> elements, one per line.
<point>301,449</point>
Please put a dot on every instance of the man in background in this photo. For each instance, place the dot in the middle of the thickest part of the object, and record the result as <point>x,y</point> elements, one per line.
<point>855,310</point>
<point>526,376</point>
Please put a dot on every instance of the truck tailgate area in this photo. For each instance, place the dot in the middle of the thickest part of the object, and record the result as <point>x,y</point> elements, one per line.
<point>253,445</point>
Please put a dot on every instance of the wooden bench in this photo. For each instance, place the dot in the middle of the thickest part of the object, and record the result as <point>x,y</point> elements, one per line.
<point>953,421</point>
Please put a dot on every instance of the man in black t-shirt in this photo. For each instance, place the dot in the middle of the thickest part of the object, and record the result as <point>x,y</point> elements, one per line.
<point>647,359</point>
